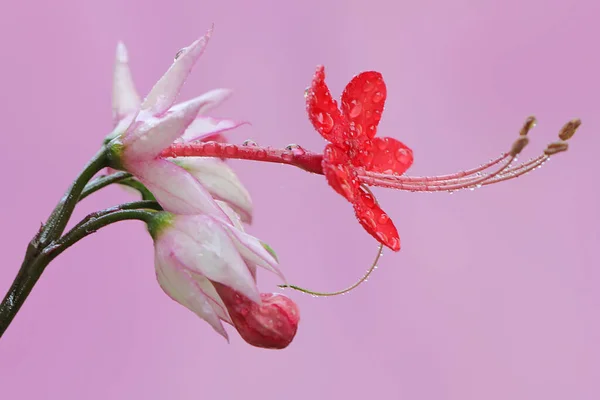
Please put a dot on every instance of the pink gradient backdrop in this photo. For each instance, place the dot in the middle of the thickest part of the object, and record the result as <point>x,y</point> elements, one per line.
<point>495,294</point>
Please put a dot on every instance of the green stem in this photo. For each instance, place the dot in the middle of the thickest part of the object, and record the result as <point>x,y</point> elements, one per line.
<point>139,186</point>
<point>122,178</point>
<point>32,270</point>
<point>57,221</point>
<point>134,205</point>
<point>103,181</point>
<point>97,221</point>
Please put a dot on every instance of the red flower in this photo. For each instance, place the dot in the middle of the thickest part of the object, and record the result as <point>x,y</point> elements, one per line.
<point>350,131</point>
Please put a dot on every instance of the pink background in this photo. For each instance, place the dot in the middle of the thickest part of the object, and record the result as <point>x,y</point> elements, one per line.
<point>495,294</point>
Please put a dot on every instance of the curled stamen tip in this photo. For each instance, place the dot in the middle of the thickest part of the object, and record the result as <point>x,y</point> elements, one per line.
<point>568,130</point>
<point>556,147</point>
<point>519,145</point>
<point>530,122</point>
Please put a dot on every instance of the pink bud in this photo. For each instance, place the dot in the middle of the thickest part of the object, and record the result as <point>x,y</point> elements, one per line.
<point>271,325</point>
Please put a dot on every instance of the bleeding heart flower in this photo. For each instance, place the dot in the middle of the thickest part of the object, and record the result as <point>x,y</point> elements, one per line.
<point>351,132</point>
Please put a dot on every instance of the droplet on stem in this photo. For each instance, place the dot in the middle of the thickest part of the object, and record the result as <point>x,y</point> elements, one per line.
<point>249,143</point>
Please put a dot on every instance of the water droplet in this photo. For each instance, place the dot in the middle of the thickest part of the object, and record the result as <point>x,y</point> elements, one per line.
<point>230,149</point>
<point>371,130</point>
<point>179,53</point>
<point>402,155</point>
<point>244,311</point>
<point>368,86</point>
<point>382,237</point>
<point>325,121</point>
<point>356,109</point>
<point>377,97</point>
<point>209,147</point>
<point>287,156</point>
<point>249,142</point>
<point>261,153</point>
<point>383,218</point>
<point>369,200</point>
<point>306,92</point>
<point>296,149</point>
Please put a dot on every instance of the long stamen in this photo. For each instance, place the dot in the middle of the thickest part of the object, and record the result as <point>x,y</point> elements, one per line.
<point>456,175</point>
<point>469,182</point>
<point>408,185</point>
<point>364,278</point>
<point>472,178</point>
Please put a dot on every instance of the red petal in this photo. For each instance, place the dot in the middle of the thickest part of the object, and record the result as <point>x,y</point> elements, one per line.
<point>363,101</point>
<point>323,111</point>
<point>389,156</point>
<point>375,220</point>
<point>338,173</point>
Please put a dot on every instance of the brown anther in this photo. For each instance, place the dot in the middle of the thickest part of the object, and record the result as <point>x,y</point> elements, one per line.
<point>568,130</point>
<point>556,147</point>
<point>530,122</point>
<point>519,145</point>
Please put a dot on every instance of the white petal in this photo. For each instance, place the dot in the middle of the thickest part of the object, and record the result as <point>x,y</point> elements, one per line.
<point>125,97</point>
<point>252,250</point>
<point>203,127</point>
<point>221,182</point>
<point>233,216</point>
<point>210,100</point>
<point>178,284</point>
<point>147,137</point>
<point>204,247</point>
<point>165,91</point>
<point>237,223</point>
<point>209,289</point>
<point>175,189</point>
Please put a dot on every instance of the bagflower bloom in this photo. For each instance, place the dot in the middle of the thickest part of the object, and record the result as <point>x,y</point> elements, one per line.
<point>203,258</point>
<point>148,126</point>
<point>210,266</point>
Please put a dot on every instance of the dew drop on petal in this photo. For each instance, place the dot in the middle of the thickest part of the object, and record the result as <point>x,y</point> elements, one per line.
<point>178,54</point>
<point>356,109</point>
<point>377,97</point>
<point>306,92</point>
<point>325,122</point>
<point>383,218</point>
<point>382,237</point>
<point>368,86</point>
